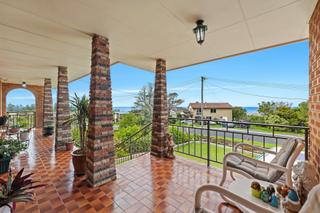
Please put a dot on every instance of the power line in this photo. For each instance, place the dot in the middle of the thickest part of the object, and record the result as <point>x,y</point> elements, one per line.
<point>262,84</point>
<point>256,95</point>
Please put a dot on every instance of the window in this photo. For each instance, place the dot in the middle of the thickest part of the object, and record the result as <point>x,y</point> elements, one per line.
<point>198,110</point>
<point>213,110</point>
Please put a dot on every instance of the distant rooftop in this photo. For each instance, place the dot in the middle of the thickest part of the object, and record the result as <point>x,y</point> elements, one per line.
<point>206,105</point>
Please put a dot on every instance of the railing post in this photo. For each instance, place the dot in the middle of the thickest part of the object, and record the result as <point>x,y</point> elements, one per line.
<point>34,119</point>
<point>306,142</point>
<point>208,143</point>
<point>130,149</point>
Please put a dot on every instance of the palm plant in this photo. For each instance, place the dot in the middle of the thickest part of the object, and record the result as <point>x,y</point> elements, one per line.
<point>80,116</point>
<point>17,189</point>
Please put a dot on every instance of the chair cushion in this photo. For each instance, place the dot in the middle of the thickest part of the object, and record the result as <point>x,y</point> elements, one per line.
<point>282,158</point>
<point>248,167</point>
<point>285,152</point>
<point>263,173</point>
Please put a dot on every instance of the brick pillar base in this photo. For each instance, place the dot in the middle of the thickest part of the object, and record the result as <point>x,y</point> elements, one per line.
<point>100,146</point>
<point>63,130</point>
<point>314,87</point>
<point>159,146</point>
<point>47,104</point>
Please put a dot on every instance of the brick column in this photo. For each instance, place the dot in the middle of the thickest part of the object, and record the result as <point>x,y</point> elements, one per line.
<point>47,104</point>
<point>314,87</point>
<point>159,146</point>
<point>63,131</point>
<point>1,98</point>
<point>100,144</point>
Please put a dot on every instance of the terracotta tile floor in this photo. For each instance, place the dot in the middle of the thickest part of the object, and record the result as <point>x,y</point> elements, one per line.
<point>145,184</point>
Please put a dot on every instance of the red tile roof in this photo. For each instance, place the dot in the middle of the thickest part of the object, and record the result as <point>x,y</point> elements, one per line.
<point>197,105</point>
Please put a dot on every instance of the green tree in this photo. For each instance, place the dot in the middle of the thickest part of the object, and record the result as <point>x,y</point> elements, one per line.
<point>239,113</point>
<point>276,119</point>
<point>256,118</point>
<point>266,108</point>
<point>130,119</point>
<point>287,113</point>
<point>144,102</point>
<point>302,113</point>
<point>173,102</point>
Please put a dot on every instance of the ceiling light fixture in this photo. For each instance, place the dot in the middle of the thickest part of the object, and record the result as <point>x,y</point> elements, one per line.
<point>199,31</point>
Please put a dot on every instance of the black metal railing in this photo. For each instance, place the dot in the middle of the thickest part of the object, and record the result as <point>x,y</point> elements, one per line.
<point>24,119</point>
<point>209,141</point>
<point>134,146</point>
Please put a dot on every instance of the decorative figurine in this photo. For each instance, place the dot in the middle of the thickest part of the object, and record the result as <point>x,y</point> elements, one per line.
<point>255,189</point>
<point>270,189</point>
<point>265,196</point>
<point>283,190</point>
<point>304,178</point>
<point>292,195</point>
<point>275,201</point>
<point>170,147</point>
<point>290,206</point>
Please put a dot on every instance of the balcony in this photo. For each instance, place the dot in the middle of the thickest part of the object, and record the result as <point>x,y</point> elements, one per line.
<point>50,48</point>
<point>143,184</point>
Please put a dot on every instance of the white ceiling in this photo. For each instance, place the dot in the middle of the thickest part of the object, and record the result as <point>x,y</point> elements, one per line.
<point>36,36</point>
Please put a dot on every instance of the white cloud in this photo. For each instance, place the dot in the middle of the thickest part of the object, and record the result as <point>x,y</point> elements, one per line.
<point>123,91</point>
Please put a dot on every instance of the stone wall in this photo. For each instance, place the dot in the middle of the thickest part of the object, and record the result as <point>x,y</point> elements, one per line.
<point>100,144</point>
<point>63,129</point>
<point>159,146</point>
<point>314,87</point>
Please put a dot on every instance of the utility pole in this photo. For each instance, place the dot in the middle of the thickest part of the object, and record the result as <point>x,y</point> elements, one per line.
<point>202,81</point>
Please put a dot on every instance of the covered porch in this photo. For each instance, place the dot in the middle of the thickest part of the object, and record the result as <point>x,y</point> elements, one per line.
<point>144,184</point>
<point>65,46</point>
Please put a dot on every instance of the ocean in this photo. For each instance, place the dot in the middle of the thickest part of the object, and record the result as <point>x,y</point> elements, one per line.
<point>122,109</point>
<point>252,110</point>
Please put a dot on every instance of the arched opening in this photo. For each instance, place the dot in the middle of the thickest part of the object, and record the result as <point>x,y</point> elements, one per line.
<point>37,92</point>
<point>21,108</point>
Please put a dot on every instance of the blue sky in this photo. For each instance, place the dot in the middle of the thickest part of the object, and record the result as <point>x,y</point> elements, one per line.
<point>277,74</point>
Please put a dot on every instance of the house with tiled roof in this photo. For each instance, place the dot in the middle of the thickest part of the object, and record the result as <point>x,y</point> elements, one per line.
<point>212,111</point>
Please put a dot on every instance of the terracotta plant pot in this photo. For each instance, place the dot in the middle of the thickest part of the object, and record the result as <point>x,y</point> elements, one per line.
<point>69,146</point>
<point>79,162</point>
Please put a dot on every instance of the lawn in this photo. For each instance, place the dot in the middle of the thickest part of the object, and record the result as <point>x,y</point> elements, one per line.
<point>217,152</point>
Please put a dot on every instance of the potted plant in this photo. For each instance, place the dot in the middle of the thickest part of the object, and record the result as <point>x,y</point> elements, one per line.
<point>16,190</point>
<point>79,118</point>
<point>48,130</point>
<point>3,120</point>
<point>8,149</point>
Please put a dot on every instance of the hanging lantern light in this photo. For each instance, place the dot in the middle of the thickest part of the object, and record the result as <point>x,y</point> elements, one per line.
<point>24,84</point>
<point>199,31</point>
